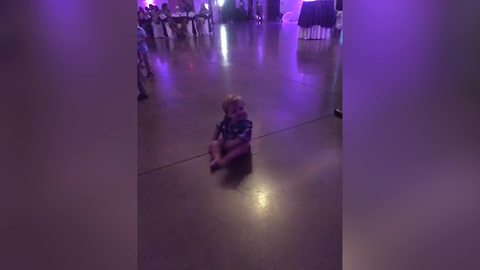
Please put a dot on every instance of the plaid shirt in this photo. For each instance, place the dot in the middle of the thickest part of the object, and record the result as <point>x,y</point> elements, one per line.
<point>229,131</point>
<point>141,46</point>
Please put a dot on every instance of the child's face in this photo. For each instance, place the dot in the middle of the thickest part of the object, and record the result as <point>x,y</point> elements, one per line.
<point>237,112</point>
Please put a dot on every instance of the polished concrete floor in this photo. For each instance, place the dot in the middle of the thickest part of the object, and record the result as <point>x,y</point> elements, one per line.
<point>279,208</point>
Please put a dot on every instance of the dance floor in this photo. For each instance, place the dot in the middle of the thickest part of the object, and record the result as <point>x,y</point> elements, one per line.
<point>281,207</point>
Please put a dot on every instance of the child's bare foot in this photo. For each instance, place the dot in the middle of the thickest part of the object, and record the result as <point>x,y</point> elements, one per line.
<point>216,165</point>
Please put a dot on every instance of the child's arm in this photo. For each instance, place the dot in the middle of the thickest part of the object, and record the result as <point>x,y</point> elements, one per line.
<point>244,137</point>
<point>233,143</point>
<point>216,134</point>
<point>246,134</point>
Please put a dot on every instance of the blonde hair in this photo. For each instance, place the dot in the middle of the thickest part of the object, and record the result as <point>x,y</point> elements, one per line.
<point>230,100</point>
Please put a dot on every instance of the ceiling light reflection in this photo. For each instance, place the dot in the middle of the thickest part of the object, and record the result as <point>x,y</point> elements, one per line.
<point>223,42</point>
<point>149,2</point>
<point>262,201</point>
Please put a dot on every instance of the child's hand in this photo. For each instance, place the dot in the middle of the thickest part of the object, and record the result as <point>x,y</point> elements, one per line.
<point>210,145</point>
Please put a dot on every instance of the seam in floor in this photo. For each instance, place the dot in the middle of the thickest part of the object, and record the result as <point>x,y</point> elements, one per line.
<point>253,139</point>
<point>281,76</point>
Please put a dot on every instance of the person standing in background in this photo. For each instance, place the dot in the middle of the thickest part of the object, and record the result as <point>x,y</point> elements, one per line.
<point>259,12</point>
<point>173,25</point>
<point>202,16</point>
<point>186,6</point>
<point>145,21</point>
<point>142,50</point>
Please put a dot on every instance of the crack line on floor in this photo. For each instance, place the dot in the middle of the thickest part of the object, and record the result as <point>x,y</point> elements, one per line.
<point>253,139</point>
<point>278,75</point>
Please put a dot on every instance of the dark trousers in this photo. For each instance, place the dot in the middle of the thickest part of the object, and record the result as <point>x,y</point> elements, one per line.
<point>140,86</point>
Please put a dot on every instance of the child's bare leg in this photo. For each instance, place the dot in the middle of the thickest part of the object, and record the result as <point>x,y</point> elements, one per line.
<point>216,150</point>
<point>235,152</point>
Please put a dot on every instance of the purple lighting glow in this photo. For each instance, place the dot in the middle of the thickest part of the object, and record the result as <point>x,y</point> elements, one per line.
<point>291,10</point>
<point>145,3</point>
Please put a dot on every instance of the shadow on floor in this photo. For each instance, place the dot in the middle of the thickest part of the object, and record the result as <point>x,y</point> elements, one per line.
<point>237,172</point>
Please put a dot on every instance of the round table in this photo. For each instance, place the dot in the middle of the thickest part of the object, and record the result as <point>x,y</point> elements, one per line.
<point>316,19</point>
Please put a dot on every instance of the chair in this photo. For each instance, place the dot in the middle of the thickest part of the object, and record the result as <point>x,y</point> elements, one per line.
<point>191,28</point>
<point>314,32</point>
<point>167,30</point>
<point>206,28</point>
<point>339,22</point>
<point>158,30</point>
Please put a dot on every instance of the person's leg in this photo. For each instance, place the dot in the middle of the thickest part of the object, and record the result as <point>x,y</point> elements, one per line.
<point>184,26</point>
<point>146,62</point>
<point>139,56</point>
<point>141,89</point>
<point>216,150</point>
<point>234,153</point>
<point>216,155</point>
<point>173,26</point>
<point>143,94</point>
<point>200,26</point>
<point>197,24</point>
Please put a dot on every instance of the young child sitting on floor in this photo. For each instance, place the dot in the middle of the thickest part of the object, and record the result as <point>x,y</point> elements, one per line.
<point>235,130</point>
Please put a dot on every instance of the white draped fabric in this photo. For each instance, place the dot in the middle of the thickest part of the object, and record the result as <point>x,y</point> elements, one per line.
<point>314,32</point>
<point>157,30</point>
